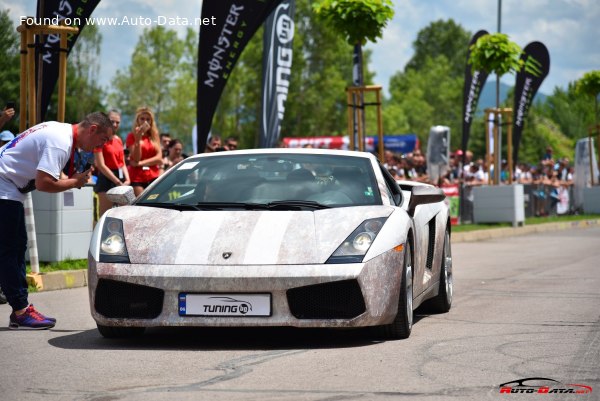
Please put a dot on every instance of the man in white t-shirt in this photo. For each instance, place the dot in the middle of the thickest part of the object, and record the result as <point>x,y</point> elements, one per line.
<point>50,157</point>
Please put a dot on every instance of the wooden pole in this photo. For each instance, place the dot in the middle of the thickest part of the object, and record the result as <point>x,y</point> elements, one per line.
<point>23,83</point>
<point>487,143</point>
<point>379,125</point>
<point>591,152</point>
<point>31,92</point>
<point>509,144</point>
<point>62,77</point>
<point>351,108</point>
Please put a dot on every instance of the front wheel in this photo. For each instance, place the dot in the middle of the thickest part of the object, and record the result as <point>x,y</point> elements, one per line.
<point>402,325</point>
<point>443,301</point>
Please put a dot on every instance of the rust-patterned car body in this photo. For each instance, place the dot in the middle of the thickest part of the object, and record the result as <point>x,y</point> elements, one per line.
<point>262,263</point>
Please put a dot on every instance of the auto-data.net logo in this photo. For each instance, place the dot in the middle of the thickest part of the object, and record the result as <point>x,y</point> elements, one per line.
<point>540,385</point>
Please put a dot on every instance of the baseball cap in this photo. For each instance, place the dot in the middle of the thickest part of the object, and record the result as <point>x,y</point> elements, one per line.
<point>6,136</point>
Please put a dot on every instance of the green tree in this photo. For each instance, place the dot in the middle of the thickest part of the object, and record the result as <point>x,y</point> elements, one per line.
<point>589,85</point>
<point>180,117</point>
<point>9,67</point>
<point>441,38</point>
<point>428,96</point>
<point>151,76</point>
<point>84,94</point>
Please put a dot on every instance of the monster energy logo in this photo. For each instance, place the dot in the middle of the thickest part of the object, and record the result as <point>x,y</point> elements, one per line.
<point>533,67</point>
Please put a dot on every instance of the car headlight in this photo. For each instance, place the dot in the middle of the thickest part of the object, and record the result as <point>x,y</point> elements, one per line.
<point>355,247</point>
<point>112,242</point>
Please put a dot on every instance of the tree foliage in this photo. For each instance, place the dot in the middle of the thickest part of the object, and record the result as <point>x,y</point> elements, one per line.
<point>84,94</point>
<point>358,21</point>
<point>428,96</point>
<point>441,38</point>
<point>9,67</point>
<point>496,53</point>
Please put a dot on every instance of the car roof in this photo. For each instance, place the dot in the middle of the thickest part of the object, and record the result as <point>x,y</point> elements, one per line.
<point>275,151</point>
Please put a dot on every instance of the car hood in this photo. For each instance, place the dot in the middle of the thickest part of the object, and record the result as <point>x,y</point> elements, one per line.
<point>164,236</point>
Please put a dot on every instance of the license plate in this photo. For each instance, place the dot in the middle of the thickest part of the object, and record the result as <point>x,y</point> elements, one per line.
<point>238,305</point>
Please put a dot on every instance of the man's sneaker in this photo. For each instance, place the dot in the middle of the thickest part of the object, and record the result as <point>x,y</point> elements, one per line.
<point>30,320</point>
<point>41,314</point>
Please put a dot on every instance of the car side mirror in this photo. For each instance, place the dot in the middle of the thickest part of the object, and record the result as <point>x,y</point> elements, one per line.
<point>421,195</point>
<point>121,195</point>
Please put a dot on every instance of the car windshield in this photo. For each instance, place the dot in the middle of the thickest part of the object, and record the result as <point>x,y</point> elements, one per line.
<point>266,181</point>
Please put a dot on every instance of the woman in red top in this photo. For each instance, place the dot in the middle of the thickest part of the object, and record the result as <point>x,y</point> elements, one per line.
<point>110,163</point>
<point>145,154</point>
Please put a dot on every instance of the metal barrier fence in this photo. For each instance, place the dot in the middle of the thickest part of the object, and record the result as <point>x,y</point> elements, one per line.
<point>545,200</point>
<point>540,200</point>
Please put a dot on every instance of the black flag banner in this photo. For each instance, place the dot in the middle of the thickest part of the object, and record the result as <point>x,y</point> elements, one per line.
<point>220,47</point>
<point>474,81</point>
<point>529,79</point>
<point>277,68</point>
<point>73,13</point>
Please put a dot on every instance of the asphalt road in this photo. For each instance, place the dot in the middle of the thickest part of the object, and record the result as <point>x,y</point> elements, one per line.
<point>524,307</point>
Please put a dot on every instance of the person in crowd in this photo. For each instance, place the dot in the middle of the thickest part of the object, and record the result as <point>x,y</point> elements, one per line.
<point>548,156</point>
<point>50,157</point>
<point>214,144</point>
<point>165,139</point>
<point>523,175</point>
<point>175,154</point>
<point>110,164</point>
<point>231,143</point>
<point>5,137</point>
<point>6,115</point>
<point>145,154</point>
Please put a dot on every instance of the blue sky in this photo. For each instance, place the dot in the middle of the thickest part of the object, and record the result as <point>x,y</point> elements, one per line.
<point>569,28</point>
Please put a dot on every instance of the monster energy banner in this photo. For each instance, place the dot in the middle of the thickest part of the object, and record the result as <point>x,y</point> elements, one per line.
<point>219,48</point>
<point>536,67</point>
<point>52,12</point>
<point>277,67</point>
<point>474,81</point>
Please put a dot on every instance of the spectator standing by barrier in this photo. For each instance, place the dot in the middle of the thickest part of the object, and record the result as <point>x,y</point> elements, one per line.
<point>50,157</point>
<point>165,139</point>
<point>110,163</point>
<point>145,153</point>
<point>6,115</point>
<point>175,154</point>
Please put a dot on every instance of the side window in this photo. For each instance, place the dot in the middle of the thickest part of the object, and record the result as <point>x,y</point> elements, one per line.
<point>392,187</point>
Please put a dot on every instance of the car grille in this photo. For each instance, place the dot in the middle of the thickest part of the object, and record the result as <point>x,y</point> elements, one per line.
<point>336,300</point>
<point>116,299</point>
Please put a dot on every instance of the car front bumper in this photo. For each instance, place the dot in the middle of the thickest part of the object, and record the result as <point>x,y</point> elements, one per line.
<point>379,281</point>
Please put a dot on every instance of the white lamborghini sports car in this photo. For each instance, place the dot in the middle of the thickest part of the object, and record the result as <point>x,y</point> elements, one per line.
<point>271,237</point>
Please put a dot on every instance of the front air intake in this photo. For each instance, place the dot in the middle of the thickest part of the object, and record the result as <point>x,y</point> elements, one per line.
<point>116,299</point>
<point>336,300</point>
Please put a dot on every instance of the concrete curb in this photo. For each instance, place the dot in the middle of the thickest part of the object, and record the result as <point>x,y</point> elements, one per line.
<point>481,235</point>
<point>58,280</point>
<point>63,279</point>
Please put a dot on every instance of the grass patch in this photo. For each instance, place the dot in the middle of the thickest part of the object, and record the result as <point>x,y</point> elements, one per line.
<point>528,221</point>
<point>69,264</point>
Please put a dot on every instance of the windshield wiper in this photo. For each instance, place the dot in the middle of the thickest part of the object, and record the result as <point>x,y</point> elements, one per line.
<point>295,205</point>
<point>164,205</point>
<point>275,205</point>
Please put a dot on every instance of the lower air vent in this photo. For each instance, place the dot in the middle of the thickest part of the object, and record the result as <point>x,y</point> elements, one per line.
<point>116,299</point>
<point>336,300</point>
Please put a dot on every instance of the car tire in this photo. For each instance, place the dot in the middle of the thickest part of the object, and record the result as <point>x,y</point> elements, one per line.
<point>402,325</point>
<point>443,301</point>
<point>120,332</point>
